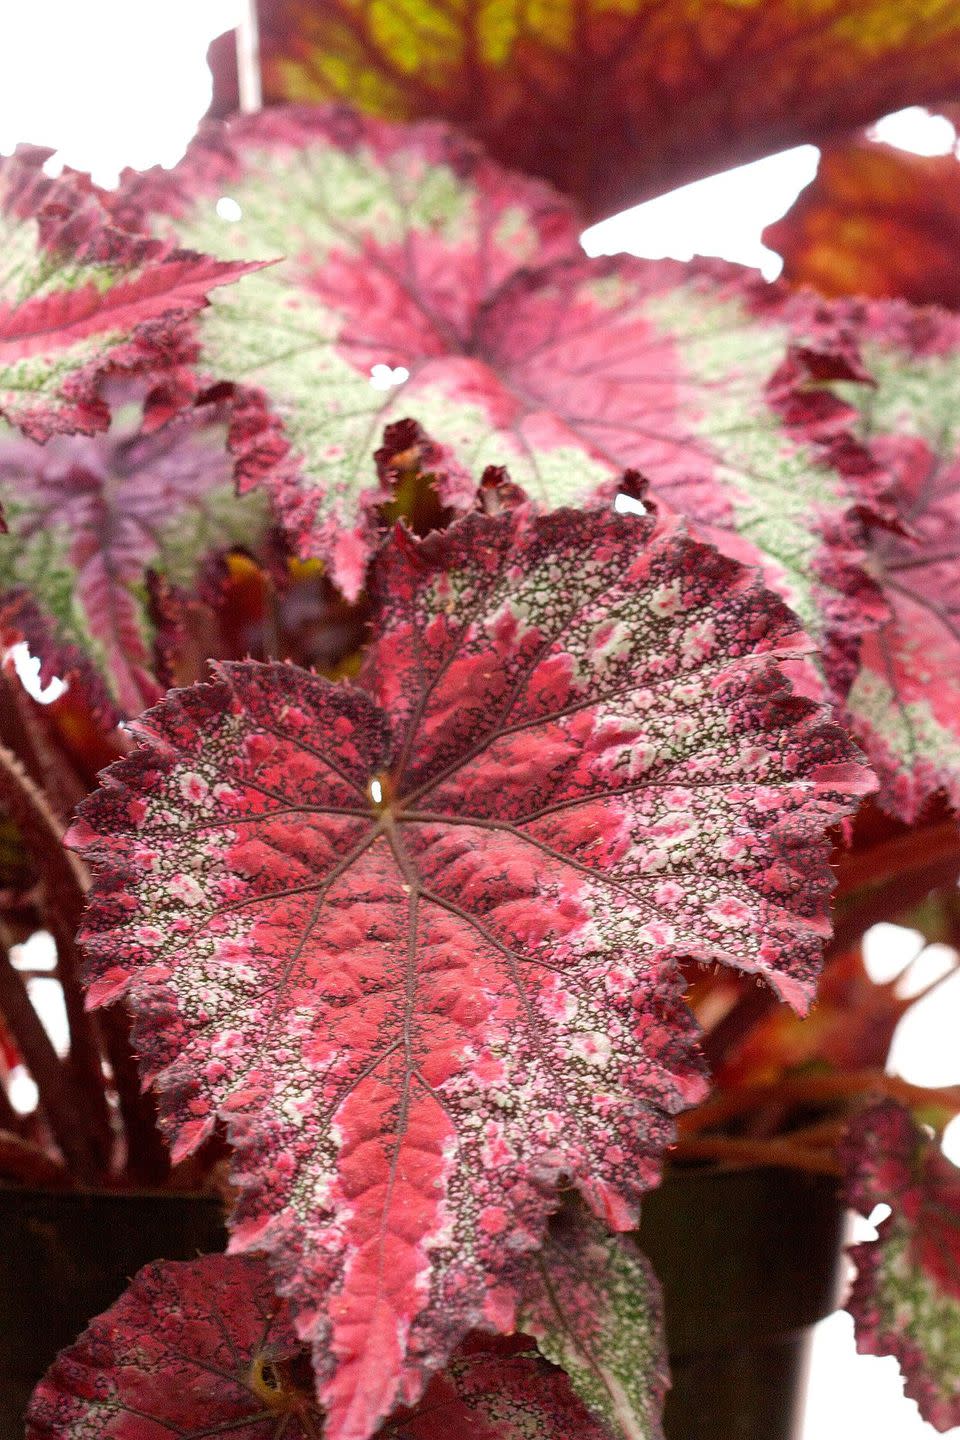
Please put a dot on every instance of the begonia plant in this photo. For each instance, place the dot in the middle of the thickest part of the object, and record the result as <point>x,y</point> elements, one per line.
<point>517,682</point>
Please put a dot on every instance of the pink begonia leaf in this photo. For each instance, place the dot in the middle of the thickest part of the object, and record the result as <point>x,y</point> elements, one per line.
<point>395,239</point>
<point>22,620</point>
<point>905,1299</point>
<point>422,280</point>
<point>498,1389</point>
<point>415,940</point>
<point>592,1302</point>
<point>80,298</point>
<point>205,1347</point>
<point>904,705</point>
<point>88,516</point>
<point>613,100</point>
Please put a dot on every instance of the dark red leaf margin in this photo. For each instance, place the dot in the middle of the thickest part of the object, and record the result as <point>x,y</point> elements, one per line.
<point>81,297</point>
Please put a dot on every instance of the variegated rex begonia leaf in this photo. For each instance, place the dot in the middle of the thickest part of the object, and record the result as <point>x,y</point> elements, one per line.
<point>904,705</point>
<point>614,102</point>
<point>422,280</point>
<point>89,517</point>
<point>592,1303</point>
<point>205,1347</point>
<point>394,241</point>
<point>905,1300</point>
<point>415,940</point>
<point>80,298</point>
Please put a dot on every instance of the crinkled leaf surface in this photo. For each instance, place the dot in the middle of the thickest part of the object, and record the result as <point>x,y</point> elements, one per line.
<point>850,1028</point>
<point>415,941</point>
<point>592,1302</point>
<point>498,1390</point>
<point>396,240</point>
<point>876,221</point>
<point>905,701</point>
<point>206,1348</point>
<point>905,1300</point>
<point>79,298</point>
<point>89,517</point>
<point>614,102</point>
<point>189,1348</point>
<point>409,256</point>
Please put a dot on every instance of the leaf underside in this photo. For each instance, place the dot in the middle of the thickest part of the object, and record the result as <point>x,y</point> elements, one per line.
<point>416,941</point>
<point>423,280</point>
<point>614,103</point>
<point>905,1299</point>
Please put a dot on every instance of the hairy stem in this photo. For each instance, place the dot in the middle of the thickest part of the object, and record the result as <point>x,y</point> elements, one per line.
<point>86,1056</point>
<point>891,860</point>
<point>26,729</point>
<point>818,1089</point>
<point>741,1150</point>
<point>9,1119</point>
<point>21,1160</point>
<point>61,1104</point>
<point>65,886</point>
<point>147,1160</point>
<point>42,834</point>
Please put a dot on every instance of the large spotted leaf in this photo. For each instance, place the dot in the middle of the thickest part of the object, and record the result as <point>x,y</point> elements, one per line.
<point>404,264</point>
<point>90,517</point>
<point>876,221</point>
<point>906,1296</point>
<point>80,298</point>
<point>905,701</point>
<point>614,102</point>
<point>396,242</point>
<point>415,941</point>
<point>206,1348</point>
<point>592,1302</point>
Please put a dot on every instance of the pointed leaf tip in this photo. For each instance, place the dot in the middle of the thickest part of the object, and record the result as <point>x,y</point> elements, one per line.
<point>905,1299</point>
<point>421,279</point>
<point>82,298</point>
<point>415,942</point>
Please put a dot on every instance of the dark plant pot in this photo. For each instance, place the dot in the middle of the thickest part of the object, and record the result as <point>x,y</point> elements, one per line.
<point>66,1256</point>
<point>749,1262</point>
<point>747,1258</point>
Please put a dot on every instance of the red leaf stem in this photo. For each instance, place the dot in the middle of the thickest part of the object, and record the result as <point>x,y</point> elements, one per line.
<point>147,1158</point>
<point>888,862</point>
<point>26,1162</point>
<point>42,833</point>
<point>818,1089</point>
<point>852,921</point>
<point>64,898</point>
<point>743,1150</point>
<point>85,1058</point>
<point>9,1119</point>
<point>25,727</point>
<point>60,1100</point>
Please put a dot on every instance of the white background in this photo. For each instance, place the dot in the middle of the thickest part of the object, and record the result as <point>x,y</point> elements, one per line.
<point>109,83</point>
